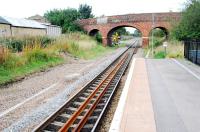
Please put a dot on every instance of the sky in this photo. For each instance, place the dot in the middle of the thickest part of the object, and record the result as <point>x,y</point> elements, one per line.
<point>27,8</point>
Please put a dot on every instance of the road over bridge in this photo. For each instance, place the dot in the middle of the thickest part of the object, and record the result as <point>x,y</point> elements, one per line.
<point>106,25</point>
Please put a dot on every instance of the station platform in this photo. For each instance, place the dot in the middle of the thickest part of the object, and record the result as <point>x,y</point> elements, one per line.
<point>160,95</point>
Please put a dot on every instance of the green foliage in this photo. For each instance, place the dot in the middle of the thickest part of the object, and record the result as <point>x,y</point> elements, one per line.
<point>122,31</point>
<point>157,32</point>
<point>137,33</point>
<point>85,11</point>
<point>98,37</point>
<point>157,41</point>
<point>35,57</point>
<point>65,18</point>
<point>94,52</point>
<point>16,44</point>
<point>160,55</point>
<point>189,26</point>
<point>73,48</point>
<point>13,61</point>
<point>9,74</point>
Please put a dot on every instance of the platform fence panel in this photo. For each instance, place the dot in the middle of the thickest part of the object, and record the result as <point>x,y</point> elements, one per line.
<point>192,51</point>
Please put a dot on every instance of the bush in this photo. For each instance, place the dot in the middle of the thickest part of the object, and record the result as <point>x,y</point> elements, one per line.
<point>37,55</point>
<point>157,43</point>
<point>98,37</point>
<point>189,26</point>
<point>160,55</point>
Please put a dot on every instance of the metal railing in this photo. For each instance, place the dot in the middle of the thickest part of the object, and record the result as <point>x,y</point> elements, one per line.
<point>192,50</point>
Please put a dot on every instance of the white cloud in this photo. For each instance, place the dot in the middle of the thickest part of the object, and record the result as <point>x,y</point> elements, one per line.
<point>26,8</point>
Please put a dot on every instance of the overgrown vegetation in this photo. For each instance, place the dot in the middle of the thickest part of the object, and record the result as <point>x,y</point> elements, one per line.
<point>189,26</point>
<point>16,44</point>
<point>35,56</point>
<point>174,49</point>
<point>98,37</point>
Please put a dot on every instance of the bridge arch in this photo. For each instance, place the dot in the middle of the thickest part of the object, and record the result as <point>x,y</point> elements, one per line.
<point>142,21</point>
<point>93,32</point>
<point>163,28</point>
<point>113,29</point>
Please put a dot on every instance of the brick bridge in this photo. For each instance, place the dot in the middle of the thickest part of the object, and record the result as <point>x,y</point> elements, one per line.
<point>143,22</point>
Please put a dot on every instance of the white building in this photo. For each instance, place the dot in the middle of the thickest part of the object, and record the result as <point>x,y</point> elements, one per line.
<point>52,30</point>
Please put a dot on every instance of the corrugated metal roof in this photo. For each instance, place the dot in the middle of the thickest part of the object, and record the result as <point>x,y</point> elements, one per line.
<point>3,21</point>
<point>49,24</point>
<point>23,22</point>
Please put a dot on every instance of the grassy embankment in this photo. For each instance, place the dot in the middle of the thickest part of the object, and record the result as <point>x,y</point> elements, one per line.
<point>23,56</point>
<point>175,49</point>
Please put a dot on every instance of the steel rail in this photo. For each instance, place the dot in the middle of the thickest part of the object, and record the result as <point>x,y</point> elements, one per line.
<point>42,126</point>
<point>109,77</point>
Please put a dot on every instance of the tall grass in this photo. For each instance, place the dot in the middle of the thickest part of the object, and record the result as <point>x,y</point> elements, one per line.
<point>175,49</point>
<point>17,43</point>
<point>31,55</point>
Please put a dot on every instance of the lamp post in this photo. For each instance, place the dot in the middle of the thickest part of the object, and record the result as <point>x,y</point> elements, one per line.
<point>153,22</point>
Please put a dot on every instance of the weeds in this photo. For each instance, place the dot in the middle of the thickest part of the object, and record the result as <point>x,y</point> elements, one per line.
<point>24,56</point>
<point>160,55</point>
<point>16,44</point>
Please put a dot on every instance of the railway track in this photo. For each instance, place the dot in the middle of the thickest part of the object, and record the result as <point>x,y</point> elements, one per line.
<point>84,110</point>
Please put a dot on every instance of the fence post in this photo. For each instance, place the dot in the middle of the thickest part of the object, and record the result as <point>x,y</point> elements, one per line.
<point>196,42</point>
<point>184,49</point>
<point>197,52</point>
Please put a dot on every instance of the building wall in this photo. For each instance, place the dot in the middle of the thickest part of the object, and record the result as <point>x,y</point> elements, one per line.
<point>20,31</point>
<point>53,30</point>
<point>5,30</point>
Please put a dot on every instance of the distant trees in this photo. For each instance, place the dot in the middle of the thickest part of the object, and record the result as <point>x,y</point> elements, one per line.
<point>189,26</point>
<point>121,31</point>
<point>157,32</point>
<point>137,33</point>
<point>85,11</point>
<point>66,17</point>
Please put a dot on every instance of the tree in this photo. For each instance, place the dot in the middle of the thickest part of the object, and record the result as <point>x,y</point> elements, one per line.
<point>65,18</point>
<point>121,31</point>
<point>85,11</point>
<point>137,33</point>
<point>189,26</point>
<point>157,32</point>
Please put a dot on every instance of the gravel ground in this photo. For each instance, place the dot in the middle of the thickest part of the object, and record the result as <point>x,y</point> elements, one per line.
<point>105,123</point>
<point>29,115</point>
<point>17,92</point>
<point>108,116</point>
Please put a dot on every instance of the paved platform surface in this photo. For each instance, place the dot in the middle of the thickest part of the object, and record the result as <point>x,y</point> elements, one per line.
<point>162,95</point>
<point>136,115</point>
<point>175,93</point>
